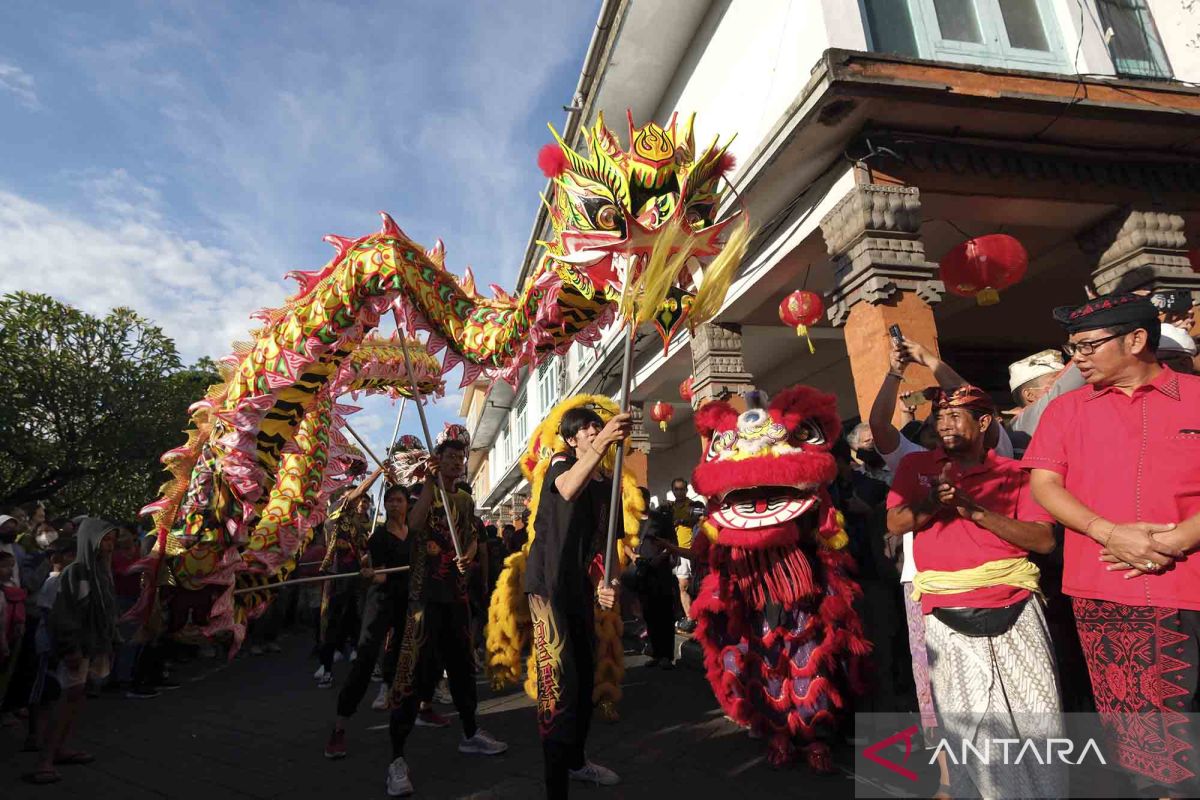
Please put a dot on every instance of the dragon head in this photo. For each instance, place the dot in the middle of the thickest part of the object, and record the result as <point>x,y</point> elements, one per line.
<point>766,468</point>
<point>643,219</point>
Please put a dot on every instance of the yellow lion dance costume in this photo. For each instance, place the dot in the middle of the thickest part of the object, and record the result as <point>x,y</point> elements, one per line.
<point>509,623</point>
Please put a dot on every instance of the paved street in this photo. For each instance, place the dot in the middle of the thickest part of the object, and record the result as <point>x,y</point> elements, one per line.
<point>256,728</point>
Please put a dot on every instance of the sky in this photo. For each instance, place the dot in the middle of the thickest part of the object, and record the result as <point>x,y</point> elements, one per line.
<point>179,157</point>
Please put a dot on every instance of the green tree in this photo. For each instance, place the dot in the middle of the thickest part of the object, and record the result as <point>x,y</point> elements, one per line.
<point>87,405</point>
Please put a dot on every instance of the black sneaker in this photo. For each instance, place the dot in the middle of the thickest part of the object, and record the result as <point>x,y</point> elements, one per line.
<point>166,684</point>
<point>141,692</point>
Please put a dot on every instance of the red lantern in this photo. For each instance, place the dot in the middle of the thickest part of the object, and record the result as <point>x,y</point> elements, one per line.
<point>984,266</point>
<point>662,413</point>
<point>1194,258</point>
<point>685,390</point>
<point>799,310</point>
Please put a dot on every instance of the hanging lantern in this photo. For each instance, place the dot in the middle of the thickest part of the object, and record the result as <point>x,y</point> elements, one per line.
<point>983,266</point>
<point>799,310</point>
<point>662,413</point>
<point>685,390</point>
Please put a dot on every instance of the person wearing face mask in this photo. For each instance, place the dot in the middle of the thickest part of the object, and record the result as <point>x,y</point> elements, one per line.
<point>867,459</point>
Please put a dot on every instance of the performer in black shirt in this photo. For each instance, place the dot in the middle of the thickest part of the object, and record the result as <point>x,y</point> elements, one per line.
<point>569,530</point>
<point>385,609</point>
<point>437,610</point>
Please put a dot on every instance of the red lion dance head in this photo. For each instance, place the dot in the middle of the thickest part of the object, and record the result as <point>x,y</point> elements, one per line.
<point>774,615</point>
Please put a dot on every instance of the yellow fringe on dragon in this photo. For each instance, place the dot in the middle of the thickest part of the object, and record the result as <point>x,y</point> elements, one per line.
<point>509,622</point>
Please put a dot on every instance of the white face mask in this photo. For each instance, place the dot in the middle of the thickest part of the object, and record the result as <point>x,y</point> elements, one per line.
<point>46,538</point>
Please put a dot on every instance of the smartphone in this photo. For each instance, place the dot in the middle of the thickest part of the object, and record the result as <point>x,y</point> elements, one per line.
<point>897,336</point>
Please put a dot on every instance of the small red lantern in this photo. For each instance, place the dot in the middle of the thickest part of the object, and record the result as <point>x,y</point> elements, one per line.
<point>662,413</point>
<point>983,266</point>
<point>685,390</point>
<point>799,310</point>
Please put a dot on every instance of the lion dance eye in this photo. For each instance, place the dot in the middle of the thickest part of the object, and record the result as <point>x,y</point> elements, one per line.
<point>809,432</point>
<point>606,218</point>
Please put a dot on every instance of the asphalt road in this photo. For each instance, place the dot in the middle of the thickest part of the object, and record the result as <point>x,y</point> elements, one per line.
<point>256,728</point>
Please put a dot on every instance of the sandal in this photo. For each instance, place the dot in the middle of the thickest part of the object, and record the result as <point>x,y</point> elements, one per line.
<point>42,777</point>
<point>78,757</point>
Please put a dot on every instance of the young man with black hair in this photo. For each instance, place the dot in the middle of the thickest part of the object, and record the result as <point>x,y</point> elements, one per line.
<point>569,530</point>
<point>437,611</point>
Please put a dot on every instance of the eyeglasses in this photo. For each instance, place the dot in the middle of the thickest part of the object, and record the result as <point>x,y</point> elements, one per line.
<point>1087,348</point>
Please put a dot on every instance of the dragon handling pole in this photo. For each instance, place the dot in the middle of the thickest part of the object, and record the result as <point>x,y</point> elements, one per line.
<point>429,445</point>
<point>614,504</point>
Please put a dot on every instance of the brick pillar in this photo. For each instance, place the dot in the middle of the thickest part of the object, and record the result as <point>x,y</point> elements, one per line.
<point>717,366</point>
<point>637,459</point>
<point>881,278</point>
<point>1138,249</point>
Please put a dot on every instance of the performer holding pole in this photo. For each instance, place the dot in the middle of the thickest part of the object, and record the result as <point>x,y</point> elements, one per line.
<point>571,513</point>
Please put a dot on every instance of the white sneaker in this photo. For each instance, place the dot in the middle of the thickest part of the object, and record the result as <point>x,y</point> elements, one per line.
<point>380,703</point>
<point>353,655</point>
<point>398,782</point>
<point>442,696</point>
<point>326,681</point>
<point>338,656</point>
<point>320,673</point>
<point>483,744</point>
<point>591,772</point>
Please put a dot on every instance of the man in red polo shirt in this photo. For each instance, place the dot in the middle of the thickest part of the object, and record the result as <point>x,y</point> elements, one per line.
<point>989,648</point>
<point>1118,464</point>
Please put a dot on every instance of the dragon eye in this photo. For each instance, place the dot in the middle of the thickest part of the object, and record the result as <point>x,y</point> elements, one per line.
<point>809,432</point>
<point>606,218</point>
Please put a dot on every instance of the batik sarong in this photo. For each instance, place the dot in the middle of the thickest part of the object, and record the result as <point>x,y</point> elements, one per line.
<point>1143,664</point>
<point>992,688</point>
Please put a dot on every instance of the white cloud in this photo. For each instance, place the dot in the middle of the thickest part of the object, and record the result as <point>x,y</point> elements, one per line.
<point>18,82</point>
<point>201,295</point>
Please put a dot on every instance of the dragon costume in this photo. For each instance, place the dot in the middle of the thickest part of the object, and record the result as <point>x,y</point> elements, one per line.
<point>774,614</point>
<point>509,622</point>
<point>635,233</point>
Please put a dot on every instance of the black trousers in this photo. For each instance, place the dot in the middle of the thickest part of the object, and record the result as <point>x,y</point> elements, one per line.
<point>432,630</point>
<point>384,609</point>
<point>340,619</point>
<point>658,609</point>
<point>564,652</point>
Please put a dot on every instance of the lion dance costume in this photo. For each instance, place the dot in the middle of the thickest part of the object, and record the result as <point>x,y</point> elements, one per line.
<point>774,615</point>
<point>635,233</point>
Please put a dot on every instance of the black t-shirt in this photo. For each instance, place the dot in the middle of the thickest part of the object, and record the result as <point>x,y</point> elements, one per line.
<point>566,537</point>
<point>388,551</point>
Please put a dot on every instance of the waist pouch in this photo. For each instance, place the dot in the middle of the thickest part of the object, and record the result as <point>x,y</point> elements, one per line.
<point>981,621</point>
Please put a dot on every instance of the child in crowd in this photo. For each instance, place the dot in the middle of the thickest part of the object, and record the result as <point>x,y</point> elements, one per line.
<point>46,689</point>
<point>12,618</point>
<point>83,624</point>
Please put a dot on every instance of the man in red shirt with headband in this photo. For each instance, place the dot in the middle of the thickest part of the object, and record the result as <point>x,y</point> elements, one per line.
<point>990,653</point>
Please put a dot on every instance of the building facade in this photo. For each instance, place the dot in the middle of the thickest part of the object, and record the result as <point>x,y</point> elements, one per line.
<point>872,137</point>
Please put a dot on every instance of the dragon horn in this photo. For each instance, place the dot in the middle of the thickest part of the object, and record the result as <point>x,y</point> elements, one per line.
<point>340,243</point>
<point>389,228</point>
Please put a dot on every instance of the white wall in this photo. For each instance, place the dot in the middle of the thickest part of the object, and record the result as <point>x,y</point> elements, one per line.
<point>1178,24</point>
<point>747,63</point>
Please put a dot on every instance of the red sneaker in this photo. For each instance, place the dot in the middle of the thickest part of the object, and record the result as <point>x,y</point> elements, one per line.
<point>336,746</point>
<point>428,718</point>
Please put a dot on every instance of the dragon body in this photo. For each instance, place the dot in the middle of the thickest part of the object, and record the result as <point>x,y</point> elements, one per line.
<point>774,614</point>
<point>635,235</point>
